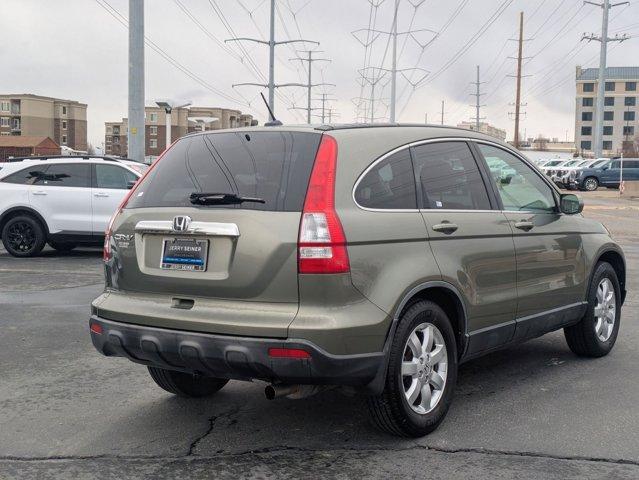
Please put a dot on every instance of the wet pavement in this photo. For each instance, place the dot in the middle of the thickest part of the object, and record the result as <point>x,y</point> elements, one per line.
<point>531,411</point>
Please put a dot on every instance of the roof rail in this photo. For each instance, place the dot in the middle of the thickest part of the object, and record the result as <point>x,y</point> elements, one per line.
<point>69,157</point>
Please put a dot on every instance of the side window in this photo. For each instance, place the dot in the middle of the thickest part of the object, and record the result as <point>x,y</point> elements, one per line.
<point>448,177</point>
<point>112,176</point>
<point>519,187</point>
<point>26,176</point>
<point>389,185</point>
<point>66,175</point>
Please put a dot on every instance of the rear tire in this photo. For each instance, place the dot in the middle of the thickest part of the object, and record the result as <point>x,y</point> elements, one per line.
<point>62,247</point>
<point>23,236</point>
<point>396,411</point>
<point>185,384</point>
<point>596,333</point>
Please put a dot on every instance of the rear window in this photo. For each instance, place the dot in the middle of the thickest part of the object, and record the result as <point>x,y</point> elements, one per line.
<point>274,166</point>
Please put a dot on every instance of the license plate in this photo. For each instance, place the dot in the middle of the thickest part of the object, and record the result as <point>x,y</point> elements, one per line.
<point>184,254</point>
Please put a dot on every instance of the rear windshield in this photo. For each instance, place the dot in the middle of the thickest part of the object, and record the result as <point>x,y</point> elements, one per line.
<point>274,166</point>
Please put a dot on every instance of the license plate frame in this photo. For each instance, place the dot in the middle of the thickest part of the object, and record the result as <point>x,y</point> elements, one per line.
<point>189,261</point>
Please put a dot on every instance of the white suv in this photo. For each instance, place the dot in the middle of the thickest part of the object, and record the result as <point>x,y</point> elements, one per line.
<point>63,201</point>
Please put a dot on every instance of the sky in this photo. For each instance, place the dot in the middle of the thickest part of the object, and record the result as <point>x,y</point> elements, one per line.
<point>77,49</point>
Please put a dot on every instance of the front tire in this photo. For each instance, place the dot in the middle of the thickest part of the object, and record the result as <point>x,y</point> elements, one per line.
<point>596,333</point>
<point>185,384</point>
<point>23,236</point>
<point>590,184</point>
<point>421,376</point>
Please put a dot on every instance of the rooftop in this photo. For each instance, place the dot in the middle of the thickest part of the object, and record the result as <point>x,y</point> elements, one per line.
<point>24,141</point>
<point>612,73</point>
<point>39,97</point>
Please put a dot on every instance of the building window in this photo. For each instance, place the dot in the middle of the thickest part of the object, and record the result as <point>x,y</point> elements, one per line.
<point>64,124</point>
<point>587,102</point>
<point>585,145</point>
<point>630,101</point>
<point>586,116</point>
<point>609,101</point>
<point>153,130</point>
<point>153,143</point>
<point>64,110</point>
<point>607,130</point>
<point>629,116</point>
<point>116,130</point>
<point>607,145</point>
<point>64,139</point>
<point>153,117</point>
<point>116,140</point>
<point>610,86</point>
<point>586,131</point>
<point>4,106</point>
<point>631,86</point>
<point>4,121</point>
<point>628,130</point>
<point>589,87</point>
<point>16,124</point>
<point>609,115</point>
<point>108,130</point>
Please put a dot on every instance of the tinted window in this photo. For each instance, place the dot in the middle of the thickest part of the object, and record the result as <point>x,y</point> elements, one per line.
<point>449,177</point>
<point>607,130</point>
<point>586,116</point>
<point>25,176</point>
<point>586,130</point>
<point>630,101</point>
<point>629,116</point>
<point>631,86</point>
<point>390,184</point>
<point>610,86</point>
<point>519,187</point>
<point>631,164</point>
<point>110,176</point>
<point>607,145</point>
<point>587,102</point>
<point>66,175</point>
<point>589,87</point>
<point>609,101</point>
<point>585,145</point>
<point>609,115</point>
<point>274,166</point>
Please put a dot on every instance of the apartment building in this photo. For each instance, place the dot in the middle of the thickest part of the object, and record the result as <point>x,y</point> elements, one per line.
<point>64,121</point>
<point>183,120</point>
<point>486,128</point>
<point>621,112</point>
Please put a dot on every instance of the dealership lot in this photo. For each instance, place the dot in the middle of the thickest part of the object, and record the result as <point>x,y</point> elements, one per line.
<point>533,411</point>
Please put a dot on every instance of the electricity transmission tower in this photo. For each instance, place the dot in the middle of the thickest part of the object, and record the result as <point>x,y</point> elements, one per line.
<point>477,96</point>
<point>371,36</point>
<point>272,43</point>
<point>604,39</point>
<point>310,84</point>
<point>324,98</point>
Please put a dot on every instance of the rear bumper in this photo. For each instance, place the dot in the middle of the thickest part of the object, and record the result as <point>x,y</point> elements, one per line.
<point>225,356</point>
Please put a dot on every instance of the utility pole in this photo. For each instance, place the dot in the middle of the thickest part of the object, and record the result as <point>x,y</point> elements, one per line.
<point>272,43</point>
<point>323,99</point>
<point>136,81</point>
<point>601,80</point>
<point>477,96</point>
<point>518,94</point>
<point>442,112</point>
<point>394,65</point>
<point>310,84</point>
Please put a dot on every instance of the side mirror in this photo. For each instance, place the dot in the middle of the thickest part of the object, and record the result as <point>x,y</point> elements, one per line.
<point>130,184</point>
<point>571,204</point>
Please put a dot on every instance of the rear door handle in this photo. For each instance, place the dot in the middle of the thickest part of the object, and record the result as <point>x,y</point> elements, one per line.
<point>445,227</point>
<point>39,192</point>
<point>524,225</point>
<point>101,194</point>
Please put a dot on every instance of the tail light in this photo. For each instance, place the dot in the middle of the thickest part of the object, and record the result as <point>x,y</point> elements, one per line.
<point>322,243</point>
<point>106,251</point>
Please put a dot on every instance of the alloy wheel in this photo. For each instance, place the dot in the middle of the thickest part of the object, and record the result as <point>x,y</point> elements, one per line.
<point>21,237</point>
<point>591,184</point>
<point>605,310</point>
<point>424,368</point>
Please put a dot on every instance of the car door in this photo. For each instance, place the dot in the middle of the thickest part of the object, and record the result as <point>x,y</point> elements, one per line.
<point>548,246</point>
<point>110,185</point>
<point>611,173</point>
<point>62,195</point>
<point>630,170</point>
<point>470,238</point>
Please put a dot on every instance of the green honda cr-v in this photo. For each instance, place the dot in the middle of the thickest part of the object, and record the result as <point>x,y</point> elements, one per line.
<point>375,259</point>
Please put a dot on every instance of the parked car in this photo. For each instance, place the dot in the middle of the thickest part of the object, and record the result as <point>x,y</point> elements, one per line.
<point>563,181</point>
<point>374,258</point>
<point>63,201</point>
<point>607,174</point>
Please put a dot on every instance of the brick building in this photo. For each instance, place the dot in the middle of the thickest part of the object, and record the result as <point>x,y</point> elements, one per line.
<point>183,120</point>
<point>64,121</point>
<point>25,146</point>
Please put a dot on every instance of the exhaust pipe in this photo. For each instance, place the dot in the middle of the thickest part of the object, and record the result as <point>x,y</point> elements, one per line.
<point>294,392</point>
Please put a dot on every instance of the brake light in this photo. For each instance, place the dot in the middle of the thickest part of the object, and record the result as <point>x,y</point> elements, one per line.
<point>322,243</point>
<point>107,253</point>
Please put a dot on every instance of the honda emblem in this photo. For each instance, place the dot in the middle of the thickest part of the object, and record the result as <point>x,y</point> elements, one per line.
<point>181,223</point>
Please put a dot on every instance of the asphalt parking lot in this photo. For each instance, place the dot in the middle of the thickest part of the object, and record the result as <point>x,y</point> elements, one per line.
<point>533,411</point>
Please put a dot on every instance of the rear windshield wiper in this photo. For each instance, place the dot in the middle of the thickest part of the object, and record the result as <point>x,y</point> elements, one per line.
<point>198,198</point>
